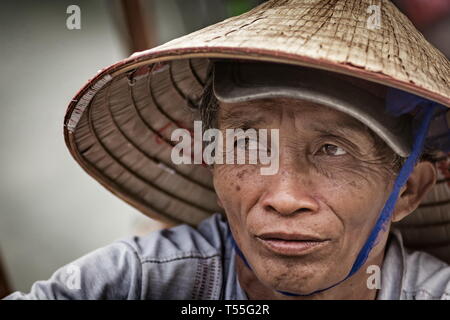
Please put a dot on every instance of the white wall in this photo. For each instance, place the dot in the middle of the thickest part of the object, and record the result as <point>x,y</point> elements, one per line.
<point>51,211</point>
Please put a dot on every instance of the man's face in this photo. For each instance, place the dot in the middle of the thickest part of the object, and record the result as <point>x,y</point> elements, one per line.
<point>302,228</point>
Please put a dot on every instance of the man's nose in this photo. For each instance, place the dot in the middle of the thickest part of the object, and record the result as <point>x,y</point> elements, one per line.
<point>288,196</point>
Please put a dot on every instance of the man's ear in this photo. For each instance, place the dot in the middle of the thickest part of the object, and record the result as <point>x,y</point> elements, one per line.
<point>419,183</point>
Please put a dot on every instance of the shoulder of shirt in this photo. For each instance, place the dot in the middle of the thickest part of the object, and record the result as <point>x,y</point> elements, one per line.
<point>425,276</point>
<point>180,242</point>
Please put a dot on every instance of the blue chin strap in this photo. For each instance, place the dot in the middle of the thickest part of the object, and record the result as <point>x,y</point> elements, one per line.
<point>425,111</point>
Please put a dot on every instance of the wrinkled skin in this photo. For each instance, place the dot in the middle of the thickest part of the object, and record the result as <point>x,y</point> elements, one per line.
<point>331,183</point>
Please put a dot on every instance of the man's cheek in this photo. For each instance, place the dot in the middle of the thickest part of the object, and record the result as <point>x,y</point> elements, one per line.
<point>233,178</point>
<point>236,186</point>
<point>359,206</point>
<point>227,186</point>
<point>352,200</point>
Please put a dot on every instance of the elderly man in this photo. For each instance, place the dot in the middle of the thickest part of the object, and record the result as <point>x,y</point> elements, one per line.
<point>352,156</point>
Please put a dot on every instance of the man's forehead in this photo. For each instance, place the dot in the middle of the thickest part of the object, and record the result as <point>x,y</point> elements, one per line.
<point>315,117</point>
<point>275,106</point>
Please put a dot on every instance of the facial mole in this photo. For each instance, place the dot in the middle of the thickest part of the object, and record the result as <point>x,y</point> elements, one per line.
<point>238,188</point>
<point>241,174</point>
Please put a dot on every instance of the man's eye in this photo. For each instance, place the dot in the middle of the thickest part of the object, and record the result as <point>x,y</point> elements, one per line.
<point>332,150</point>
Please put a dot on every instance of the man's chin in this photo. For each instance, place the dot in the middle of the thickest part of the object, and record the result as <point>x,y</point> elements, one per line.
<point>301,282</point>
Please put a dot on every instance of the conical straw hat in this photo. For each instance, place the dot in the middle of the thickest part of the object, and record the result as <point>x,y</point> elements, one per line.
<point>118,126</point>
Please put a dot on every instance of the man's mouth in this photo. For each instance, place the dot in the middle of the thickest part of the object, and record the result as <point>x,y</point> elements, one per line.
<point>291,244</point>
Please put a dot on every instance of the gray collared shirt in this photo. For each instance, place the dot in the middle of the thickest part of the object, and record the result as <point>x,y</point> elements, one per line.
<point>187,263</point>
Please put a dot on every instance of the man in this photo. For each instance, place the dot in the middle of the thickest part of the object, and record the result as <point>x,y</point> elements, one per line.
<point>352,156</point>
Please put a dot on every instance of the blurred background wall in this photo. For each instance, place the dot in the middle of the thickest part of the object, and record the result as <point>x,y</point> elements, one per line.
<point>51,211</point>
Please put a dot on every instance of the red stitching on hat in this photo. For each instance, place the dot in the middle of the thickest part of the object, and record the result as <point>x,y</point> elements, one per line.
<point>158,139</point>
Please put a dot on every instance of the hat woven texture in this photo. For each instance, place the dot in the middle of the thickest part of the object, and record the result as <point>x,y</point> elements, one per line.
<point>118,126</point>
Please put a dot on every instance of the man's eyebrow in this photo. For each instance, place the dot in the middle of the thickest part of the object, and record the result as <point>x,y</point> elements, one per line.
<point>342,129</point>
<point>241,119</point>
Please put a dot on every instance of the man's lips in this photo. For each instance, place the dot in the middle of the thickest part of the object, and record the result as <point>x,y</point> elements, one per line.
<point>291,244</point>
